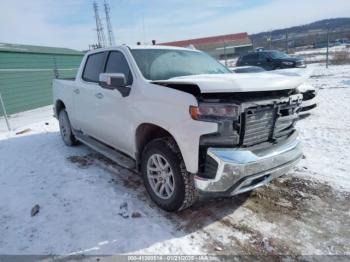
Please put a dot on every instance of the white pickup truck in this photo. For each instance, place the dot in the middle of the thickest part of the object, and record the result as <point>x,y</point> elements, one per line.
<point>182,119</point>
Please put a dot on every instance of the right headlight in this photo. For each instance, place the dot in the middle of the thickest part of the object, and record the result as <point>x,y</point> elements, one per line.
<point>287,63</point>
<point>215,112</point>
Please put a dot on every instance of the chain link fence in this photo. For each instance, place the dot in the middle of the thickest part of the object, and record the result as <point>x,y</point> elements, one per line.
<point>312,46</point>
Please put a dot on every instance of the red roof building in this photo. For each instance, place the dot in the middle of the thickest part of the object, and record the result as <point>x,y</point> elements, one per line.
<point>218,46</point>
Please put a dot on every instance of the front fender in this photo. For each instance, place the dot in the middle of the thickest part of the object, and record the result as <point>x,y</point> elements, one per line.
<point>169,109</point>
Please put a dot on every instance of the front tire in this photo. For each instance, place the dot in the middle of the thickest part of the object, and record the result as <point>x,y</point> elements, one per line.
<point>165,176</point>
<point>66,129</point>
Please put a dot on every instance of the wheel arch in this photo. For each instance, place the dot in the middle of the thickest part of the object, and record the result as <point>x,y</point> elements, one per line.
<point>59,105</point>
<point>145,133</point>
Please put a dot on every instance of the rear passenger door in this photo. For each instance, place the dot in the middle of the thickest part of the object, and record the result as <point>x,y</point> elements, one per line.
<point>250,60</point>
<point>85,94</point>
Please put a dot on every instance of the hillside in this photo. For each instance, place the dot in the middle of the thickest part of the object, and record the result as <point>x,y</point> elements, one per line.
<point>307,34</point>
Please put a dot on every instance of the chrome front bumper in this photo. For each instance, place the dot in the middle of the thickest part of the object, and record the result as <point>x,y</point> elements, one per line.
<point>243,169</point>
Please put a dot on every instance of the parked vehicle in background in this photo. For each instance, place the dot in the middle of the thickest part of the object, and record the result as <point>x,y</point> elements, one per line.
<point>182,119</point>
<point>271,60</point>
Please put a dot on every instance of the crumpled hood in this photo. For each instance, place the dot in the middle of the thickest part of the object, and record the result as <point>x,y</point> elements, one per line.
<point>227,83</point>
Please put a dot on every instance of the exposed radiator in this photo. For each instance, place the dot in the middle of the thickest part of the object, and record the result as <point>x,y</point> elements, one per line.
<point>267,123</point>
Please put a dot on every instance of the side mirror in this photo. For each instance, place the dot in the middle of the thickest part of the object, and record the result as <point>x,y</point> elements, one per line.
<point>114,81</point>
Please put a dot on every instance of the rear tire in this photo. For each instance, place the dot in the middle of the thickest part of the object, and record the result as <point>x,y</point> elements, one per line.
<point>165,176</point>
<point>66,129</point>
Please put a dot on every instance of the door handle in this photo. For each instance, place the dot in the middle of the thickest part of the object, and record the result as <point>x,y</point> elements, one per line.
<point>77,91</point>
<point>99,95</point>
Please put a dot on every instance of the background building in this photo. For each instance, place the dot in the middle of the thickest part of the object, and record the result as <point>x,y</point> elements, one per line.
<point>26,73</point>
<point>220,47</point>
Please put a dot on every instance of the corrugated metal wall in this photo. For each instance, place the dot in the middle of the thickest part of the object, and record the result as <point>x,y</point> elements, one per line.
<point>25,78</point>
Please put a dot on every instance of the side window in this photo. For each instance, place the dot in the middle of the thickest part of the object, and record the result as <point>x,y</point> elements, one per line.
<point>262,57</point>
<point>250,58</point>
<point>244,58</point>
<point>117,63</point>
<point>93,67</point>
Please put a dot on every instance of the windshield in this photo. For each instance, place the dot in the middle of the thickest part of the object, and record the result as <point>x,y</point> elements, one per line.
<point>163,64</point>
<point>278,55</point>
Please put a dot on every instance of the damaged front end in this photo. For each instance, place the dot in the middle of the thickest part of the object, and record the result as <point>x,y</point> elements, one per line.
<point>264,123</point>
<point>263,117</point>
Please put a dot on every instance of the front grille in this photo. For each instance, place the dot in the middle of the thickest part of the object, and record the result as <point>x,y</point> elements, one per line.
<point>258,125</point>
<point>267,123</point>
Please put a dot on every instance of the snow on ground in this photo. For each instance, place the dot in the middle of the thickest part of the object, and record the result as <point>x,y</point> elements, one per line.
<point>323,50</point>
<point>21,120</point>
<point>326,134</point>
<point>89,205</point>
<point>80,202</point>
<point>319,54</point>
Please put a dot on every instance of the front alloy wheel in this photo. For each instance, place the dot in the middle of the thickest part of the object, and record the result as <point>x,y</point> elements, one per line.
<point>165,176</point>
<point>160,176</point>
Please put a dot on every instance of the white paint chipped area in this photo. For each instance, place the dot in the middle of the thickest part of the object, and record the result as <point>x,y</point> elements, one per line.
<point>91,206</point>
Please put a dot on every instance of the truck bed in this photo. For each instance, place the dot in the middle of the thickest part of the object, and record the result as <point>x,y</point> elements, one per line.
<point>63,91</point>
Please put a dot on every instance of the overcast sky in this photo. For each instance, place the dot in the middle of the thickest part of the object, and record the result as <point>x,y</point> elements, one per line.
<point>70,23</point>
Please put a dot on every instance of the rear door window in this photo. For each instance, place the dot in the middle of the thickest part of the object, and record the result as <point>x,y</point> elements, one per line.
<point>250,58</point>
<point>93,67</point>
<point>117,63</point>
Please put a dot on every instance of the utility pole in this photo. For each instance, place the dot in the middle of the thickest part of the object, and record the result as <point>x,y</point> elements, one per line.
<point>225,54</point>
<point>99,28</point>
<point>143,28</point>
<point>109,25</point>
<point>5,113</point>
<point>287,40</point>
<point>55,68</point>
<point>270,40</point>
<point>327,55</point>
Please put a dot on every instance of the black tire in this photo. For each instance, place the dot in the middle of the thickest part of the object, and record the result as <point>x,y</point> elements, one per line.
<point>66,129</point>
<point>184,193</point>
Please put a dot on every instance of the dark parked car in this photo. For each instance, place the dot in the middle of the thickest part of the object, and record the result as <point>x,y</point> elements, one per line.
<point>270,60</point>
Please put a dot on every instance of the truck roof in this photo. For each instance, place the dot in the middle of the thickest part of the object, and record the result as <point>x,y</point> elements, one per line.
<point>135,47</point>
<point>159,47</point>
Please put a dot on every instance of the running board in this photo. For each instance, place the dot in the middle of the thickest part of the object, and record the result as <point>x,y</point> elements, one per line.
<point>117,157</point>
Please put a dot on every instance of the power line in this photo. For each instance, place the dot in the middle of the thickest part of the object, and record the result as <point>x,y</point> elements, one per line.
<point>109,25</point>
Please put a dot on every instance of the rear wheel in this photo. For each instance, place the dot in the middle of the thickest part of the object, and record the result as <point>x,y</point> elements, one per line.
<point>165,176</point>
<point>66,129</point>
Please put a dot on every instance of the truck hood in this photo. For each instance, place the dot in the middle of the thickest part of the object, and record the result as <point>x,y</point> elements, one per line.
<point>232,83</point>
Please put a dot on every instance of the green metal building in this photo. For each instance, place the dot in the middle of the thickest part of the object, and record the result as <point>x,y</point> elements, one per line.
<point>26,74</point>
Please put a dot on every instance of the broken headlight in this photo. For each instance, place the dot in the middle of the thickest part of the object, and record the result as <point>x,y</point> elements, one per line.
<point>212,112</point>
